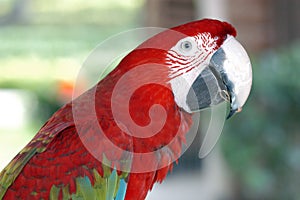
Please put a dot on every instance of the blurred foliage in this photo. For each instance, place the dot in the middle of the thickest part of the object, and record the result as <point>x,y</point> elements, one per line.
<point>262,144</point>
<point>104,12</point>
<point>53,42</point>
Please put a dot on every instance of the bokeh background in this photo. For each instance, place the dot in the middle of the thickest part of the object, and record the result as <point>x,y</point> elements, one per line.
<point>44,43</point>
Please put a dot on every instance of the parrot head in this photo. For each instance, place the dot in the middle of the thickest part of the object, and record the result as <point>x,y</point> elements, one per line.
<point>206,65</point>
<point>201,62</point>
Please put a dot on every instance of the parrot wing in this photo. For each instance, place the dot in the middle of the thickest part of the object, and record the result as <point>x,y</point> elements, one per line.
<point>37,145</point>
<point>106,186</point>
<point>55,160</point>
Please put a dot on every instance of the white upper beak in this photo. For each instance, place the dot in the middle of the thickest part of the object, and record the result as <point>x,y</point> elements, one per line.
<point>237,73</point>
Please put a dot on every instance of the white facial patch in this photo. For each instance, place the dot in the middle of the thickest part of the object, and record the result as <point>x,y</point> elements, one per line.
<point>186,61</point>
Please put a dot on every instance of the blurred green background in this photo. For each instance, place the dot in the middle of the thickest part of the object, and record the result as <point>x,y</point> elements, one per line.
<point>44,43</point>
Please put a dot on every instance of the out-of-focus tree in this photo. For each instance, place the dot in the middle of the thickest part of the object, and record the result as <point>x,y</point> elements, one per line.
<point>19,13</point>
<point>168,13</point>
<point>262,144</point>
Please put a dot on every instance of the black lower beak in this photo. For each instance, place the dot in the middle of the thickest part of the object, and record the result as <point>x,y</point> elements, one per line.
<point>212,86</point>
<point>206,91</point>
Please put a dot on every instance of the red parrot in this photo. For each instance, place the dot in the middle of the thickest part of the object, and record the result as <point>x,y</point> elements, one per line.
<point>121,136</point>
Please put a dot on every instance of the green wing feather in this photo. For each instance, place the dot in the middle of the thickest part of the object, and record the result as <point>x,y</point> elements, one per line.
<point>10,172</point>
<point>37,145</point>
<point>104,188</point>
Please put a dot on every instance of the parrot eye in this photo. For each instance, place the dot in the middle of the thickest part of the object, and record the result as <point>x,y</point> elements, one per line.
<point>186,46</point>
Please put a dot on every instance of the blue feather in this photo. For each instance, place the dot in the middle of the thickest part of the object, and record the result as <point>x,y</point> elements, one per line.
<point>122,190</point>
<point>111,185</point>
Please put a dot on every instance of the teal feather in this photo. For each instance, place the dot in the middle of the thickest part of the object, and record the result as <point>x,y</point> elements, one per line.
<point>108,186</point>
<point>112,185</point>
<point>85,189</point>
<point>122,190</point>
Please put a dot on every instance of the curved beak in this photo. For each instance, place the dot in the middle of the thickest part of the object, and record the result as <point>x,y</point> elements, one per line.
<point>227,78</point>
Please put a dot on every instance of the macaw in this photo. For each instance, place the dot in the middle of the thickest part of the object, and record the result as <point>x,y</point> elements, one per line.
<point>123,135</point>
